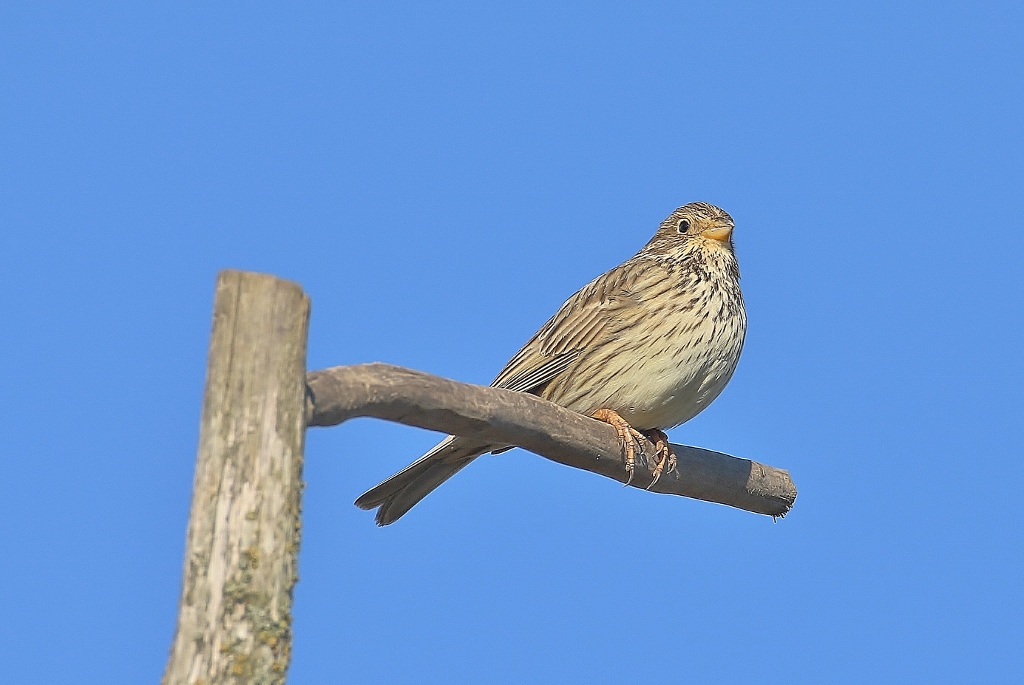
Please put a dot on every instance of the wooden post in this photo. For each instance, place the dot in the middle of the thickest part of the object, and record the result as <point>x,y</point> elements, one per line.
<point>234,617</point>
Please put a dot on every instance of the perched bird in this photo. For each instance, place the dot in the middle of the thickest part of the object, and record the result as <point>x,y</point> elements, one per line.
<point>644,347</point>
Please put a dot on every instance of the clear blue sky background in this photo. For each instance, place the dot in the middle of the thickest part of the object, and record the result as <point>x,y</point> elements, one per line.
<point>439,179</point>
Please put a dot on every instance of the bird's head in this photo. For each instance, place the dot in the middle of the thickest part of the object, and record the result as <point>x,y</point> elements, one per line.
<point>698,221</point>
<point>697,234</point>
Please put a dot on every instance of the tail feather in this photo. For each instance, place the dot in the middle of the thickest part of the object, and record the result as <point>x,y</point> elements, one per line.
<point>400,493</point>
<point>405,499</point>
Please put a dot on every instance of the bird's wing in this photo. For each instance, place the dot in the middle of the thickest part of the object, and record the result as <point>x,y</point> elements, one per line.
<point>594,312</point>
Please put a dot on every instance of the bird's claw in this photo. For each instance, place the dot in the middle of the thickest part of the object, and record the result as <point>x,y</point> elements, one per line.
<point>629,438</point>
<point>665,458</point>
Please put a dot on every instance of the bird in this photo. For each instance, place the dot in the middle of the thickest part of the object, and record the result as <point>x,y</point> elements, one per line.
<point>644,347</point>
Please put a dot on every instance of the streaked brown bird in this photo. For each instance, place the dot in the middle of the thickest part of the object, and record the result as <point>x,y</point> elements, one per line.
<point>644,347</point>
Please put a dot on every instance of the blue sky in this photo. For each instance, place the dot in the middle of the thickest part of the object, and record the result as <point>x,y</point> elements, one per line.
<point>439,179</point>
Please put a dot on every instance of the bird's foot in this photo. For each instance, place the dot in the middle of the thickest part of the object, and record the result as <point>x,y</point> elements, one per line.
<point>664,456</point>
<point>629,438</point>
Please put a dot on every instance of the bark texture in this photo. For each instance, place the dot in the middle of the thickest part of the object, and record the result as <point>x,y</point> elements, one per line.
<point>234,620</point>
<point>506,417</point>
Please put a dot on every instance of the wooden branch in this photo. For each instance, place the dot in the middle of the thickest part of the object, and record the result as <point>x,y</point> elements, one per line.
<point>234,618</point>
<point>513,418</point>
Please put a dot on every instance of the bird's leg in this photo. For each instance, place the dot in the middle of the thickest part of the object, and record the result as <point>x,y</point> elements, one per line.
<point>629,438</point>
<point>666,458</point>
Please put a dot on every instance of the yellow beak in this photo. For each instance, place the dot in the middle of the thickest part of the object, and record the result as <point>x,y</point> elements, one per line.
<point>721,234</point>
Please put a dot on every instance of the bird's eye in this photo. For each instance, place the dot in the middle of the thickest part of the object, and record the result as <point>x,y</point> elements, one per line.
<point>684,225</point>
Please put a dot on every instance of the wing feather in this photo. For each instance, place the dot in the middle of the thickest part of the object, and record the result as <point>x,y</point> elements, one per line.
<point>599,309</point>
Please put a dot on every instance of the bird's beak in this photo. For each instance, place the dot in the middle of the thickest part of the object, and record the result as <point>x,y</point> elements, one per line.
<point>722,234</point>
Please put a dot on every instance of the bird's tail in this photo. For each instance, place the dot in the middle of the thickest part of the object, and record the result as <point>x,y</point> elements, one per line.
<point>400,493</point>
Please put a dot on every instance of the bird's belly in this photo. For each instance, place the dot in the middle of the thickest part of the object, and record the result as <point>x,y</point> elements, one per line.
<point>671,379</point>
<point>673,394</point>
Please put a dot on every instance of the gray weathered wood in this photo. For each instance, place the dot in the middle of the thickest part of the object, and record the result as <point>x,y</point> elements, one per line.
<point>513,418</point>
<point>234,617</point>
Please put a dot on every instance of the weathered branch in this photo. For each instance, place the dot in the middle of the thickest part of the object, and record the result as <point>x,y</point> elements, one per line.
<point>505,417</point>
<point>234,618</point>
